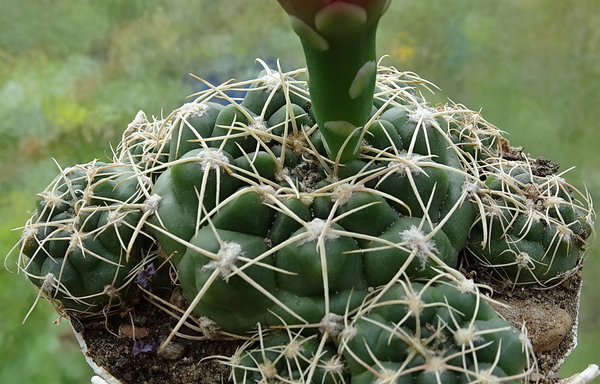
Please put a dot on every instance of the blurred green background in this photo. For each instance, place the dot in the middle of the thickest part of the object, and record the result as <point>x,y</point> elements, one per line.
<point>73,74</point>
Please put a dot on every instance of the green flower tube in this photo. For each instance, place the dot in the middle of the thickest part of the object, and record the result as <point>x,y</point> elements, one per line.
<point>338,38</point>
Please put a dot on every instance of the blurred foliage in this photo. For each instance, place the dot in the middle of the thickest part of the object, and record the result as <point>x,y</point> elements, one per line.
<point>30,352</point>
<point>73,74</point>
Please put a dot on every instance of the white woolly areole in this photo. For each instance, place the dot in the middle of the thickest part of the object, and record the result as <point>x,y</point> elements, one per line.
<point>29,233</point>
<point>466,336</point>
<point>334,366</point>
<point>524,261</point>
<point>260,125</point>
<point>212,159</point>
<point>470,189</point>
<point>145,181</point>
<point>91,169</point>
<point>564,233</point>
<point>138,122</point>
<point>436,364</point>
<point>525,341</point>
<point>51,199</point>
<point>418,243</point>
<point>137,125</point>
<point>386,376</point>
<point>49,283</point>
<point>264,191</point>
<point>76,241</point>
<point>408,166</point>
<point>268,370</point>
<point>192,110</point>
<point>151,204</point>
<point>228,254</point>
<point>271,80</point>
<point>111,291</point>
<point>348,333</point>
<point>318,228</point>
<point>423,116</point>
<point>208,327</point>
<point>294,349</point>
<point>115,218</point>
<point>333,323</point>
<point>553,201</point>
<point>466,285</point>
<point>343,193</point>
<point>487,376</point>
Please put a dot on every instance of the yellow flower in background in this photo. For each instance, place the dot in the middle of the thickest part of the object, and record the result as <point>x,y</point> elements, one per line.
<point>402,48</point>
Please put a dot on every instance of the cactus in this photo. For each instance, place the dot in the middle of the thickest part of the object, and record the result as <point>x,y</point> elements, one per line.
<point>287,356</point>
<point>535,226</point>
<point>438,332</point>
<point>327,217</point>
<point>82,246</point>
<point>256,214</point>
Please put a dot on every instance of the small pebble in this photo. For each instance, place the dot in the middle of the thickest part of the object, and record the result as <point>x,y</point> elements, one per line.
<point>172,351</point>
<point>552,327</point>
<point>547,324</point>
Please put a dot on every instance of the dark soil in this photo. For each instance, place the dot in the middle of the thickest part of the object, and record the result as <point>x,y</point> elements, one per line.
<point>110,344</point>
<point>550,316</point>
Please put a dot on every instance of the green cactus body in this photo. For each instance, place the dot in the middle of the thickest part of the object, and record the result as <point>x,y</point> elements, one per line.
<point>265,231</point>
<point>436,327</point>
<point>439,332</point>
<point>289,357</point>
<point>82,245</point>
<point>327,229</point>
<point>230,301</point>
<point>537,226</point>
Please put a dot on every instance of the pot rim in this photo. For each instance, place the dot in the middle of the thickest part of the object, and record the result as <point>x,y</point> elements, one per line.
<point>102,375</point>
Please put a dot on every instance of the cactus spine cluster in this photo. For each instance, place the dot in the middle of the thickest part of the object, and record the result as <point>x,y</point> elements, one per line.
<point>333,227</point>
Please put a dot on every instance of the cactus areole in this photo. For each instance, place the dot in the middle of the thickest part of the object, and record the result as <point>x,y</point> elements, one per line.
<point>324,221</point>
<point>338,38</point>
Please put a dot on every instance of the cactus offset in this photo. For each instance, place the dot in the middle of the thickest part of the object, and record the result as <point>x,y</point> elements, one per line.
<point>83,245</point>
<point>536,225</point>
<point>438,332</point>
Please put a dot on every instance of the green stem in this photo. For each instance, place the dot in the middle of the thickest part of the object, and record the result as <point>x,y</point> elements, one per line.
<point>339,45</point>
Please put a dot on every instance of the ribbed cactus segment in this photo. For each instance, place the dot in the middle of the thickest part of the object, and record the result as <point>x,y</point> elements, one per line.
<point>536,226</point>
<point>82,245</point>
<point>327,227</point>
<point>219,263</point>
<point>439,332</point>
<point>288,357</point>
<point>436,330</point>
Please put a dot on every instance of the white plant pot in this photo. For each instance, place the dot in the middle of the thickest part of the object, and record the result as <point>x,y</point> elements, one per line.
<point>102,375</point>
